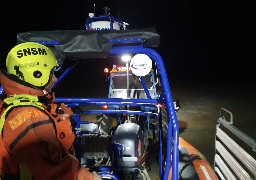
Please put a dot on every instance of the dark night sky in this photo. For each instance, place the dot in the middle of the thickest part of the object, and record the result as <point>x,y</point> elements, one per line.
<point>198,38</point>
<point>203,41</point>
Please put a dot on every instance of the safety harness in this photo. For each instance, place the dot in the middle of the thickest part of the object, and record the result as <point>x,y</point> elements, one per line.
<point>18,101</point>
<point>60,120</point>
<point>62,125</point>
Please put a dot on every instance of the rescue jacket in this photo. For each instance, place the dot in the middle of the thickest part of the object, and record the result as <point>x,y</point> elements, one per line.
<point>37,133</point>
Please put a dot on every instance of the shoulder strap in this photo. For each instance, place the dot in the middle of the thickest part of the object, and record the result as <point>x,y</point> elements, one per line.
<point>18,100</point>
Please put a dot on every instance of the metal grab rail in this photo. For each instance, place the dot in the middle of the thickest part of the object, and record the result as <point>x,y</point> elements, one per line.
<point>173,127</point>
<point>231,160</point>
<point>172,152</point>
<point>246,139</point>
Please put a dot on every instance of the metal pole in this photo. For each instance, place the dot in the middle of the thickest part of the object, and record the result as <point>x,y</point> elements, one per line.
<point>127,78</point>
<point>128,94</point>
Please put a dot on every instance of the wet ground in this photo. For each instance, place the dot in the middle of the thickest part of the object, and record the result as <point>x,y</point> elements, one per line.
<point>200,107</point>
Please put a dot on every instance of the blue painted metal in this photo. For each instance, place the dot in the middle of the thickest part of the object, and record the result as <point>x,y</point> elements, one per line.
<point>105,174</point>
<point>1,90</point>
<point>111,101</point>
<point>173,128</point>
<point>161,158</point>
<point>145,87</point>
<point>135,46</point>
<point>63,75</point>
<point>166,98</point>
<point>49,43</point>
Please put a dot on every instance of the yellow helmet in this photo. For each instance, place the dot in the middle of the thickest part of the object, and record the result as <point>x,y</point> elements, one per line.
<point>31,62</point>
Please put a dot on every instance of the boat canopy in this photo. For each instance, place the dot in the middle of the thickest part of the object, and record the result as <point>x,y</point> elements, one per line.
<point>85,44</point>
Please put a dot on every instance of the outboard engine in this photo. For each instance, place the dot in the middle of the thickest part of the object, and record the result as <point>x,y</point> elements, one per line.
<point>129,151</point>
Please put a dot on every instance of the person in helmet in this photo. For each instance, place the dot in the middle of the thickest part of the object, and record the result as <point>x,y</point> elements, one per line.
<point>35,132</point>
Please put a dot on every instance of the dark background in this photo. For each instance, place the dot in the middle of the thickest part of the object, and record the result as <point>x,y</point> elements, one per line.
<point>208,48</point>
<point>199,38</point>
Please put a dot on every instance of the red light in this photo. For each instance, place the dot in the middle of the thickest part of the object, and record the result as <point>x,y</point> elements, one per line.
<point>106,70</point>
<point>104,107</point>
<point>160,105</point>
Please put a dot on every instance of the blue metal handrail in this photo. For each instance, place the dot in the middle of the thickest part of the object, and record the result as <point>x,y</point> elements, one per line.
<point>166,98</point>
<point>173,127</point>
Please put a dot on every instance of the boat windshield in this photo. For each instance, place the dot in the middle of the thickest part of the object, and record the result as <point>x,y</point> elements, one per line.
<point>120,81</point>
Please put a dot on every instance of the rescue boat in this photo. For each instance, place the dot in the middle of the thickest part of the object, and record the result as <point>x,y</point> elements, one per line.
<point>192,164</point>
<point>178,159</point>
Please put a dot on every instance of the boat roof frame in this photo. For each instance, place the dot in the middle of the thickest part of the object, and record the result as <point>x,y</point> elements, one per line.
<point>94,44</point>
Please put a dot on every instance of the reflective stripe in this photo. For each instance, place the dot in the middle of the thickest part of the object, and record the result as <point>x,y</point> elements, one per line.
<point>21,117</point>
<point>21,135</point>
<point>18,100</point>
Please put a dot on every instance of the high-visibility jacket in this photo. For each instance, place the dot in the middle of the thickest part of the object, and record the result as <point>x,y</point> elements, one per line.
<point>37,135</point>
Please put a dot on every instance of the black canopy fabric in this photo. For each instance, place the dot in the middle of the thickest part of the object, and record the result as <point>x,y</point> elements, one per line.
<point>84,44</point>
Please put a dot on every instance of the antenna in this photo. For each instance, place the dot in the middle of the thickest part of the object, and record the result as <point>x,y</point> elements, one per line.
<point>106,11</point>
<point>118,10</point>
<point>94,8</point>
